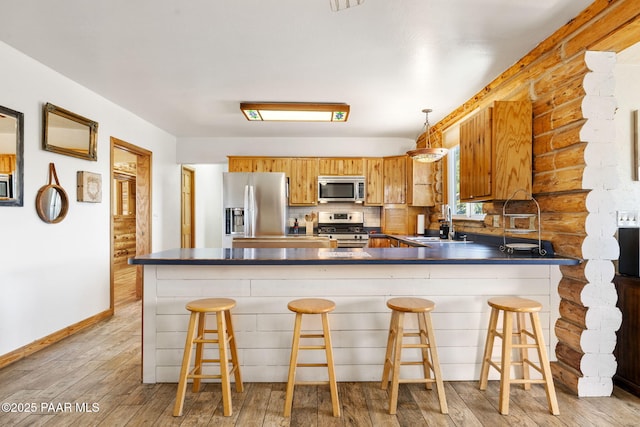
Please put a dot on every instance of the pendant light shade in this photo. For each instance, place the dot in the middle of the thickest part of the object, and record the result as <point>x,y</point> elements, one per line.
<point>428,154</point>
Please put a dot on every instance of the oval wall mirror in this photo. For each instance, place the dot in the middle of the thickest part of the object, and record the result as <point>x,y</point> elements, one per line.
<point>52,202</point>
<point>69,133</point>
<point>11,157</point>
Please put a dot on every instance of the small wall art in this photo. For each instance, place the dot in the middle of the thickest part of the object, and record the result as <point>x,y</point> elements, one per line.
<point>89,187</point>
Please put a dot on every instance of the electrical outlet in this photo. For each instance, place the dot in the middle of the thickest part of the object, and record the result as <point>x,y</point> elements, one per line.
<point>496,220</point>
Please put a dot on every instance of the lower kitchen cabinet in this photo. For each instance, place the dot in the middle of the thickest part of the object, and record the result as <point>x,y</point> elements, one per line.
<point>627,350</point>
<point>379,242</point>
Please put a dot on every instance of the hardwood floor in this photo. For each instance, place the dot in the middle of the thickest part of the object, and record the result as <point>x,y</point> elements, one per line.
<point>124,284</point>
<point>93,378</point>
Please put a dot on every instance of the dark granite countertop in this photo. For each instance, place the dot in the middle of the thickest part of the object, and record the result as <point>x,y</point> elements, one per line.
<point>453,253</point>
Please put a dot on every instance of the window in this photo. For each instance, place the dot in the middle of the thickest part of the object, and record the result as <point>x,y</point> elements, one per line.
<point>459,209</point>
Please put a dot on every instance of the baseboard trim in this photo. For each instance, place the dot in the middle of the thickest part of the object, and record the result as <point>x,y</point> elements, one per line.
<point>22,352</point>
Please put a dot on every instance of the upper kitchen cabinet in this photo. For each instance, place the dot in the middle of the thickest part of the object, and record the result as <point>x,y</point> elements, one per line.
<point>374,181</point>
<point>7,163</point>
<point>395,180</point>
<point>420,181</point>
<point>496,152</point>
<point>303,182</point>
<point>408,182</point>
<point>240,164</point>
<point>271,164</point>
<point>341,166</point>
<point>259,164</point>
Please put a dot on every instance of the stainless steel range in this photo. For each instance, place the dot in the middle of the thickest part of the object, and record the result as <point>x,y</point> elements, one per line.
<point>345,227</point>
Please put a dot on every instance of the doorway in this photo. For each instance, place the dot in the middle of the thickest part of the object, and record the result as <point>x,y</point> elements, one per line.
<point>130,218</point>
<point>188,203</point>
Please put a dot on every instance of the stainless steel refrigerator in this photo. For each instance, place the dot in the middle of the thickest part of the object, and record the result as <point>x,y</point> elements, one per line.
<point>255,204</point>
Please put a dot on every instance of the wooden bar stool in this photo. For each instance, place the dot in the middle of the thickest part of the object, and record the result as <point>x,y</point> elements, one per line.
<point>511,306</point>
<point>393,358</point>
<point>311,306</point>
<point>226,341</point>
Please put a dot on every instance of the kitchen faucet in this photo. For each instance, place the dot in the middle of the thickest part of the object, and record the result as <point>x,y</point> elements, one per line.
<point>450,221</point>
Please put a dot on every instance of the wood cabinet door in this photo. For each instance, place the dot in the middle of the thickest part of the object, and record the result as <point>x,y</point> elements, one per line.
<point>271,164</point>
<point>512,149</point>
<point>7,163</point>
<point>341,166</point>
<point>476,157</point>
<point>420,182</point>
<point>303,182</point>
<point>241,164</point>
<point>395,180</point>
<point>379,242</point>
<point>374,185</point>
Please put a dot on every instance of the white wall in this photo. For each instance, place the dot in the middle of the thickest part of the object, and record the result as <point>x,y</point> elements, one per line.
<point>209,205</point>
<point>627,76</point>
<point>216,150</point>
<point>55,275</point>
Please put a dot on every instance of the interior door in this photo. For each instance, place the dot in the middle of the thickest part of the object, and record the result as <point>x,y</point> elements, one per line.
<point>188,194</point>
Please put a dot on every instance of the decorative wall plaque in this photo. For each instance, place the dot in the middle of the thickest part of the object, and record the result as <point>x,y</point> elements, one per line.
<point>89,187</point>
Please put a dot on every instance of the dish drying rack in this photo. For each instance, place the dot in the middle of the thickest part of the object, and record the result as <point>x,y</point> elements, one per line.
<point>509,226</point>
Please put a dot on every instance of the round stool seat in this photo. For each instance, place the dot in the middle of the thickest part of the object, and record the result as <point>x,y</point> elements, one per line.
<point>515,304</point>
<point>210,305</point>
<point>411,305</point>
<point>311,305</point>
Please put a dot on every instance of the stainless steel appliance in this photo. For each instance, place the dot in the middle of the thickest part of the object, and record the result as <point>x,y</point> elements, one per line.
<point>345,227</point>
<point>6,186</point>
<point>255,204</point>
<point>341,189</point>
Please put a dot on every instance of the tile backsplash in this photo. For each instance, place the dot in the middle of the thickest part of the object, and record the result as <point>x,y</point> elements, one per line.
<point>371,213</point>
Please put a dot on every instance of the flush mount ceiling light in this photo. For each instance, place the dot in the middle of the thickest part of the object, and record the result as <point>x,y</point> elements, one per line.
<point>337,5</point>
<point>428,154</point>
<point>295,111</point>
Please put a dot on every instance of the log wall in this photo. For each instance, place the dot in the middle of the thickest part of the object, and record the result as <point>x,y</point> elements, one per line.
<point>552,76</point>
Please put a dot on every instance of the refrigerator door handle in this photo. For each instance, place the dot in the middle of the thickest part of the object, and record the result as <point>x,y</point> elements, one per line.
<point>247,213</point>
<point>250,211</point>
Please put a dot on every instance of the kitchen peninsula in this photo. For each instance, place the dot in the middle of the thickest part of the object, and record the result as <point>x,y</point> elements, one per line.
<point>457,276</point>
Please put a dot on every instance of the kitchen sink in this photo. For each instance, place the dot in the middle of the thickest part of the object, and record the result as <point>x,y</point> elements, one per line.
<point>435,240</point>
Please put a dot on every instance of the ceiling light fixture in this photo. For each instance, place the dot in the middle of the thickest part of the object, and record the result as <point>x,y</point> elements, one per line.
<point>337,5</point>
<point>428,154</point>
<point>295,111</point>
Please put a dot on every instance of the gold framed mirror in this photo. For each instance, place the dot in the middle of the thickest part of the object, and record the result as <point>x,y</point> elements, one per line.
<point>11,157</point>
<point>68,133</point>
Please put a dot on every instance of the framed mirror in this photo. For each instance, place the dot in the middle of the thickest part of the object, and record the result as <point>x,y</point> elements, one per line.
<point>11,157</point>
<point>68,133</point>
<point>52,202</point>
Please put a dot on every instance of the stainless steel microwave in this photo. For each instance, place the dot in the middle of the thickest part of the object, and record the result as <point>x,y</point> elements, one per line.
<point>341,189</point>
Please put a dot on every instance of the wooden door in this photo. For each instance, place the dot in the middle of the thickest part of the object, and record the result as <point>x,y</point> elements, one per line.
<point>143,212</point>
<point>187,202</point>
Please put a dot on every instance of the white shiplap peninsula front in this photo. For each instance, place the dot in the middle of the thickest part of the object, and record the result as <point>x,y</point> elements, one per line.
<point>263,325</point>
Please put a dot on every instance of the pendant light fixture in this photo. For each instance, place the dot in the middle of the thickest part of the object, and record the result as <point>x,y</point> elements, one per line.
<point>427,154</point>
